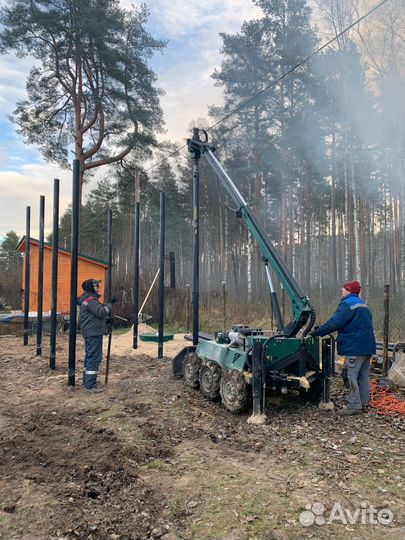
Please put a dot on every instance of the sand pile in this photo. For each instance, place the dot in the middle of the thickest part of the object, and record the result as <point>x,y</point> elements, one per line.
<point>122,344</point>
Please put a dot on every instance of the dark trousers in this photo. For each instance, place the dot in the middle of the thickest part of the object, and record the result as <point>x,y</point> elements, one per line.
<point>92,360</point>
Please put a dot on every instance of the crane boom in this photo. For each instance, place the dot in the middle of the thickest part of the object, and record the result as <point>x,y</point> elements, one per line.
<point>301,308</point>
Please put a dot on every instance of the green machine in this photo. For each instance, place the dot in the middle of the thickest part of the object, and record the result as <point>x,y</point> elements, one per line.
<point>244,365</point>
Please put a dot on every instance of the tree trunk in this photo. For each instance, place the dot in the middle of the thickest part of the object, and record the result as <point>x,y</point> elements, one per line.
<point>333,213</point>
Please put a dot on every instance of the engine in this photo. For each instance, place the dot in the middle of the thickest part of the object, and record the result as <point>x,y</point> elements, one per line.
<point>239,332</point>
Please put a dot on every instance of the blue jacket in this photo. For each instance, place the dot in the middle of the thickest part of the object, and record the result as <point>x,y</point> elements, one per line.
<point>354,323</point>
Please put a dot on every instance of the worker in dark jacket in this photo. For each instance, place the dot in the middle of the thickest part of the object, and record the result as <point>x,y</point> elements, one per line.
<point>93,316</point>
<point>356,342</point>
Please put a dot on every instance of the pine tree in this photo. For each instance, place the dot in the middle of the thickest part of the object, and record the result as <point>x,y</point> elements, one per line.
<point>91,87</point>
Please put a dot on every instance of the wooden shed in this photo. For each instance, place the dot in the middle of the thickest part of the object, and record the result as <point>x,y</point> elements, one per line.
<point>88,268</point>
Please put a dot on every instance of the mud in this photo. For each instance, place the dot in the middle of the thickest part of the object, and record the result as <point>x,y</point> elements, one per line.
<point>150,458</point>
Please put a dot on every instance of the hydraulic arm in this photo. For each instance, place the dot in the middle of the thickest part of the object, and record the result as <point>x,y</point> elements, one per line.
<point>301,308</point>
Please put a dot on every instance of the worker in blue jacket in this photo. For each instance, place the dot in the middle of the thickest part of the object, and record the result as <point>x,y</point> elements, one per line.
<point>356,342</point>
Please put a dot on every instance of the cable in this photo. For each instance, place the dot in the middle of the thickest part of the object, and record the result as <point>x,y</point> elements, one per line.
<point>220,198</point>
<point>153,166</point>
<point>89,222</point>
<point>385,402</point>
<point>296,66</point>
<point>261,92</point>
<point>274,82</point>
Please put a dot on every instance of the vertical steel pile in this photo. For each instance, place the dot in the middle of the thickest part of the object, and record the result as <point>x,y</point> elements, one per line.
<point>136,256</point>
<point>73,275</point>
<point>27,275</point>
<point>109,289</point>
<point>55,250</point>
<point>196,236</point>
<point>161,274</point>
<point>40,274</point>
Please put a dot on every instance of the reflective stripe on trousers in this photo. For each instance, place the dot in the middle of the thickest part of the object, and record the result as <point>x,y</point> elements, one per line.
<point>92,360</point>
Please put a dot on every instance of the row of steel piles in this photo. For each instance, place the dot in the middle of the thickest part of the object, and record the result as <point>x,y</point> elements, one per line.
<point>55,234</point>
<point>162,236</point>
<point>74,272</point>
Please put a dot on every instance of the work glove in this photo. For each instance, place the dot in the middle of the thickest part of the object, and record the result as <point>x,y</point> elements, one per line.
<point>313,332</point>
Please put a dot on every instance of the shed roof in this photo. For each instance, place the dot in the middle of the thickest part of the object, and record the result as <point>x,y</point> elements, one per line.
<point>99,262</point>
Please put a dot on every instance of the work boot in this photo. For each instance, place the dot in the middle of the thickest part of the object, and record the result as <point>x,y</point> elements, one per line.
<point>349,412</point>
<point>93,390</point>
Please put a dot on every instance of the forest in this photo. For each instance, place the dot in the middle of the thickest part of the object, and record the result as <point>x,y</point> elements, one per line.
<point>319,156</point>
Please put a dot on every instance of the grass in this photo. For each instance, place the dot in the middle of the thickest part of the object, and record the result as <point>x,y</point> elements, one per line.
<point>129,435</point>
<point>4,521</point>
<point>249,507</point>
<point>121,330</point>
<point>155,465</point>
<point>173,328</point>
<point>105,414</point>
<point>258,312</point>
<point>176,506</point>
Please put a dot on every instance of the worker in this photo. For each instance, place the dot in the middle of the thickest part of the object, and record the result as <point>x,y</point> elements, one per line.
<point>92,318</point>
<point>356,342</point>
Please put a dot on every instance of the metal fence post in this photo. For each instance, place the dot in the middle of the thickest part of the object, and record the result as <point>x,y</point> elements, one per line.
<point>27,274</point>
<point>55,254</point>
<point>386,329</point>
<point>73,273</point>
<point>109,290</point>
<point>161,275</point>
<point>196,230</point>
<point>137,220</point>
<point>40,297</point>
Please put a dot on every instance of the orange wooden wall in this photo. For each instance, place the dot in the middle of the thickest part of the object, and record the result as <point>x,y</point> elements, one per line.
<point>87,269</point>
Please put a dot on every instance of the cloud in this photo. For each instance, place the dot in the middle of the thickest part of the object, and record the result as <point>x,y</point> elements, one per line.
<point>192,54</point>
<point>184,73</point>
<point>21,189</point>
<point>179,18</point>
<point>13,74</point>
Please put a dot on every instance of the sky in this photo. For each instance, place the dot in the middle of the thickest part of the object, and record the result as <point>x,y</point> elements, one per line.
<point>192,53</point>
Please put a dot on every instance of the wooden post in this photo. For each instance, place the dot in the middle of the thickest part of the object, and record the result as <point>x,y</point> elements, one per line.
<point>386,329</point>
<point>172,270</point>
<point>188,306</point>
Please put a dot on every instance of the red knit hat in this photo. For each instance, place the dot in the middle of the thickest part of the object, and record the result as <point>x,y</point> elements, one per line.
<point>352,286</point>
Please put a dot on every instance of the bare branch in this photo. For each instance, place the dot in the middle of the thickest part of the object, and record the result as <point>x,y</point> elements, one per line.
<point>107,161</point>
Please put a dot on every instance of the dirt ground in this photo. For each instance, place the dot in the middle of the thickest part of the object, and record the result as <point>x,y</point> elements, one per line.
<point>150,458</point>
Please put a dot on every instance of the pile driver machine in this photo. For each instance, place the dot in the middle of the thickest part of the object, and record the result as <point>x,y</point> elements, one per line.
<point>246,363</point>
